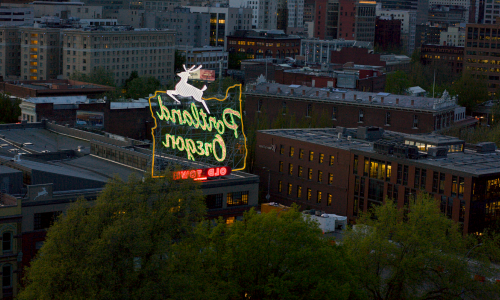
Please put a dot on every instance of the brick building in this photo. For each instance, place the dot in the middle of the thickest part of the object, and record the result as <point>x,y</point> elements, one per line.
<point>481,53</point>
<point>52,88</point>
<point>347,172</point>
<point>359,56</point>
<point>387,33</point>
<point>345,19</point>
<point>406,114</point>
<point>361,78</point>
<point>263,43</point>
<point>434,54</point>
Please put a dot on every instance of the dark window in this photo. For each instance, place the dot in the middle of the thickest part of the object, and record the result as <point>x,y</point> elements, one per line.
<point>280,166</point>
<point>417,178</point>
<point>376,191</point>
<point>405,175</point>
<point>259,105</point>
<point>435,177</point>
<point>389,191</point>
<point>237,198</point>
<point>334,113</point>
<point>387,118</point>
<point>362,187</point>
<point>395,193</point>
<point>355,206</point>
<point>461,216</point>
<point>449,210</point>
<point>423,179</point>
<point>400,174</point>
<point>45,220</point>
<point>309,109</point>
<point>7,241</point>
<point>214,201</point>
<point>443,204</point>
<point>442,177</point>
<point>7,276</point>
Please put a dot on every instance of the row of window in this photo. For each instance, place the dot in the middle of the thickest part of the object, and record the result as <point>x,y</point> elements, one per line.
<point>297,192</point>
<point>233,199</point>
<point>291,153</point>
<point>300,173</point>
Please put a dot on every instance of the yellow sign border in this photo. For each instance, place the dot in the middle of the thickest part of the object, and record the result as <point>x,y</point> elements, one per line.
<point>206,99</point>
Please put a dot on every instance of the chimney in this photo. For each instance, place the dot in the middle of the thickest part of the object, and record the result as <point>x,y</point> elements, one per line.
<point>397,100</point>
<point>267,88</point>
<point>317,93</point>
<point>412,102</point>
<point>343,96</point>
<point>370,98</point>
<point>381,99</point>
<point>303,92</point>
<point>354,96</point>
<point>279,90</point>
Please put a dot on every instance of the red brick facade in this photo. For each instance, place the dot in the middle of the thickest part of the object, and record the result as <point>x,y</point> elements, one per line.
<point>25,89</point>
<point>452,56</point>
<point>259,47</point>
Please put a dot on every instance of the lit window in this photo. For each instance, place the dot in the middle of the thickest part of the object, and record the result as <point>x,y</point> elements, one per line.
<point>321,158</point>
<point>290,187</point>
<point>311,155</point>
<point>281,166</point>
<point>320,176</point>
<point>332,159</point>
<point>329,199</point>
<point>292,150</point>
<point>330,178</point>
<point>299,191</point>
<point>301,153</point>
<point>290,169</point>
<point>310,174</point>
<point>300,171</point>
<point>280,186</point>
<point>309,194</point>
<point>318,199</point>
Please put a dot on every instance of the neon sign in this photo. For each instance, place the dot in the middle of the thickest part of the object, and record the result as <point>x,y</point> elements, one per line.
<point>214,136</point>
<point>201,174</point>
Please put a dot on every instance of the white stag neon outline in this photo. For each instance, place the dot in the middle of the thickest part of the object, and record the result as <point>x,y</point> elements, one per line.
<point>184,89</point>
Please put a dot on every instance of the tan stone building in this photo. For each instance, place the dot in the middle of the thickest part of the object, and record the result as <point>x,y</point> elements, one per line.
<point>10,53</point>
<point>40,53</point>
<point>149,52</point>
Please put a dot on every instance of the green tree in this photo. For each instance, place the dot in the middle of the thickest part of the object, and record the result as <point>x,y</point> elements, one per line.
<point>267,256</point>
<point>416,253</point>
<point>141,87</point>
<point>179,60</point>
<point>117,248</point>
<point>133,76</point>
<point>397,83</point>
<point>234,60</point>
<point>9,109</point>
<point>98,76</point>
<point>470,91</point>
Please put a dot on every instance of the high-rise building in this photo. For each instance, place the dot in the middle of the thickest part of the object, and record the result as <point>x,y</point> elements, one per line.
<point>471,8</point>
<point>420,6</point>
<point>290,16</point>
<point>453,36</point>
<point>10,52</point>
<point>40,53</point>
<point>192,29</point>
<point>320,51</point>
<point>225,21</point>
<point>264,12</point>
<point>149,52</point>
<point>16,16</point>
<point>482,53</point>
<point>346,19</point>
<point>491,12</point>
<point>387,33</point>
<point>408,20</point>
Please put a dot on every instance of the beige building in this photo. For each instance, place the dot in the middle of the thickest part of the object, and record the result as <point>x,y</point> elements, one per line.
<point>40,53</point>
<point>149,52</point>
<point>10,52</point>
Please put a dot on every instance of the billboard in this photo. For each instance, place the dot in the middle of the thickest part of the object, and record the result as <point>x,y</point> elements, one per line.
<point>201,74</point>
<point>89,118</point>
<point>196,129</point>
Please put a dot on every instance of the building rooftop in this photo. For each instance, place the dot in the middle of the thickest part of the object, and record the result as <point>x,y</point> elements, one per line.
<point>466,161</point>
<point>263,34</point>
<point>359,98</point>
<point>58,100</point>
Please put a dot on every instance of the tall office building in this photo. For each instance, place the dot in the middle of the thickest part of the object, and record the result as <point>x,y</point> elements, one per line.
<point>264,12</point>
<point>225,21</point>
<point>290,16</point>
<point>40,53</point>
<point>149,52</point>
<point>482,52</point>
<point>421,6</point>
<point>10,52</point>
<point>471,8</point>
<point>408,20</point>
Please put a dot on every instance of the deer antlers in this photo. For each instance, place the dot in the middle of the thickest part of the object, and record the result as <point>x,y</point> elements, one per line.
<point>190,70</point>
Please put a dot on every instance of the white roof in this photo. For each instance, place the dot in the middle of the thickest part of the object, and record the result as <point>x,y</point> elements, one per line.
<point>58,100</point>
<point>416,90</point>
